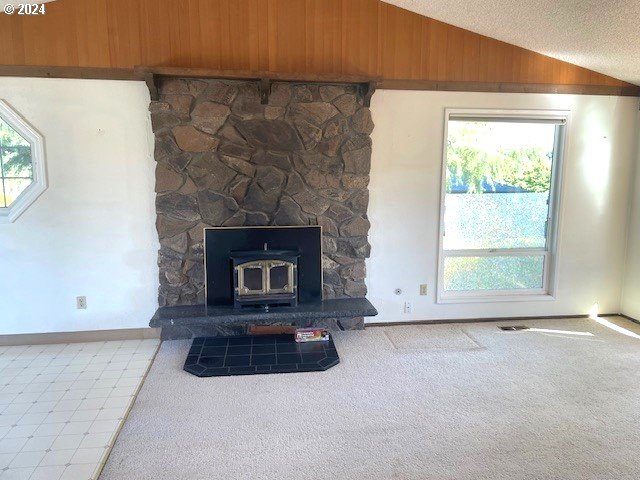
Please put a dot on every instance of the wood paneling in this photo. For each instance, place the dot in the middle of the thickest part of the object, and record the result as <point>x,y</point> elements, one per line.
<point>366,38</point>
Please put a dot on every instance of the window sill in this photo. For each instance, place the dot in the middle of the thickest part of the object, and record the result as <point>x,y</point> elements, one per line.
<point>496,298</point>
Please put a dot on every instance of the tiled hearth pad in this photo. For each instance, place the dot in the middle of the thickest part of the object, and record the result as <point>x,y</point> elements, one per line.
<point>257,354</point>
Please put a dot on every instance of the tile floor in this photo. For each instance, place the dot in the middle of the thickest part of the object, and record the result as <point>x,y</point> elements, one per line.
<point>61,406</point>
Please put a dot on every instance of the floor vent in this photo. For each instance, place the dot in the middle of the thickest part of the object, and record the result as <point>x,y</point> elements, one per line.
<point>513,328</point>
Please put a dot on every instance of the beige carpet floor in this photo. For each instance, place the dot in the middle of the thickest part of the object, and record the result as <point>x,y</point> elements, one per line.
<point>438,402</point>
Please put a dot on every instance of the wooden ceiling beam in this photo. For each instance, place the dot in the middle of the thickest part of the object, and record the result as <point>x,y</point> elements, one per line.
<point>89,73</point>
<point>368,84</point>
<point>506,87</point>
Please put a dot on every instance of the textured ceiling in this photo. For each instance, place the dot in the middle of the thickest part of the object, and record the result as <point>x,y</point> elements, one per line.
<point>601,35</point>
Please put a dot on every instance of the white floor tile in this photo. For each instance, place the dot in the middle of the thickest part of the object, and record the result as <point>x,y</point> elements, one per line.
<point>47,473</point>
<point>128,382</point>
<point>23,378</point>
<point>122,358</point>
<point>11,388</point>
<point>77,394</point>
<point>67,377</point>
<point>27,459</point>
<point>139,365</point>
<point>134,372</point>
<point>53,368</point>
<point>96,368</point>
<point>32,418</point>
<point>48,429</point>
<point>74,368</point>
<point>141,357</point>
<point>7,420</point>
<point>21,431</point>
<point>27,397</point>
<point>12,445</point>
<point>46,378</point>
<point>117,402</point>
<point>60,361</point>
<point>88,455</point>
<point>85,384</point>
<point>76,428</point>
<point>84,415</point>
<point>77,472</point>
<point>38,444</point>
<point>102,359</point>
<point>61,405</point>
<point>42,407</point>
<point>67,405</point>
<point>67,442</point>
<point>5,459</point>
<point>35,387</point>
<point>58,417</point>
<point>111,374</point>
<point>101,426</point>
<point>106,383</point>
<point>16,474</point>
<point>120,366</point>
<point>111,414</point>
<point>7,397</point>
<point>58,386</point>
<point>10,370</point>
<point>99,393</point>
<point>12,365</point>
<point>58,457</point>
<point>96,440</point>
<point>40,362</point>
<point>16,409</point>
<point>50,396</point>
<point>125,391</point>
<point>91,404</point>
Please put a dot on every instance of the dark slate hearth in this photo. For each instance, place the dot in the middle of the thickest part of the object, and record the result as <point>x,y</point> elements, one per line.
<point>189,321</point>
<point>256,354</point>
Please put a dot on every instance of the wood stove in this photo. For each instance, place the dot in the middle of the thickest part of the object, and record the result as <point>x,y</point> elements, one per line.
<point>263,266</point>
<point>265,277</point>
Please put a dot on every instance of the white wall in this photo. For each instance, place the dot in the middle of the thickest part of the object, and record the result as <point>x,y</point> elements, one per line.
<point>92,231</point>
<point>631,291</point>
<point>405,202</point>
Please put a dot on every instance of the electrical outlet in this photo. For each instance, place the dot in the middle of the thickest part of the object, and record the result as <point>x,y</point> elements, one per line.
<point>423,289</point>
<point>81,303</point>
<point>408,307</point>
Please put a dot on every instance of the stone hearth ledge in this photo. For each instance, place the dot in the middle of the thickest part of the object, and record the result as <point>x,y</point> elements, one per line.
<point>189,321</point>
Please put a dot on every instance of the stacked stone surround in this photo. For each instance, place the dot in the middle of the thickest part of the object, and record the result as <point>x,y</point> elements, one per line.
<point>224,159</point>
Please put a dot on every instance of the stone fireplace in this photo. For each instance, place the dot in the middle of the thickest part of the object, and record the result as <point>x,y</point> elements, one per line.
<point>226,159</point>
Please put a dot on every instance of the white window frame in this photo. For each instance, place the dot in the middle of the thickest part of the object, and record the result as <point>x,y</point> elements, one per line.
<point>550,253</point>
<point>32,192</point>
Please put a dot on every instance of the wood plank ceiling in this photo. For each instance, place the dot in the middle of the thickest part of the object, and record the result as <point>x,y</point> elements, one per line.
<point>333,37</point>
